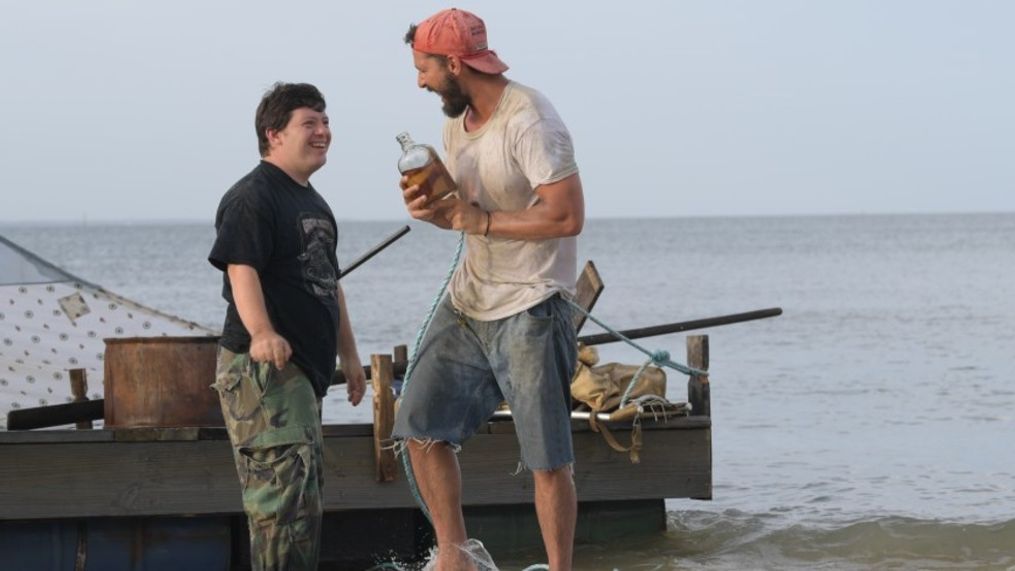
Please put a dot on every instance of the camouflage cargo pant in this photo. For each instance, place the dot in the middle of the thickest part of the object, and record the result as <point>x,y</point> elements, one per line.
<point>273,419</point>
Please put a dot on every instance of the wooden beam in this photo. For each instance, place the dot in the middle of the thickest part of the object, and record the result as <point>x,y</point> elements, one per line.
<point>588,289</point>
<point>384,418</point>
<point>398,367</point>
<point>55,415</point>
<point>88,410</point>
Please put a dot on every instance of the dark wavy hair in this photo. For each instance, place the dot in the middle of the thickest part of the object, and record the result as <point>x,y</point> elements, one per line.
<point>410,37</point>
<point>277,106</point>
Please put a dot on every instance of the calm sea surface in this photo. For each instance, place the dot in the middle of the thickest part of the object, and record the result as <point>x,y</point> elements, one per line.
<point>870,426</point>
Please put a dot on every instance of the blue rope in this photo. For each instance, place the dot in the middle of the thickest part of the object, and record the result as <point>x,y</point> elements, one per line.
<point>659,358</point>
<point>406,464</point>
<point>634,381</point>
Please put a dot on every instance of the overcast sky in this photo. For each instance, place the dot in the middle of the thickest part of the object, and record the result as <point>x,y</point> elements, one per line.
<point>123,110</point>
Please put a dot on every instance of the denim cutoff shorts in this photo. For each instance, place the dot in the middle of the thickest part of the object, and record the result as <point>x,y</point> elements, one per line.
<point>466,368</point>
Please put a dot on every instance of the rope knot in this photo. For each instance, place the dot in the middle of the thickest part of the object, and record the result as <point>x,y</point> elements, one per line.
<point>661,357</point>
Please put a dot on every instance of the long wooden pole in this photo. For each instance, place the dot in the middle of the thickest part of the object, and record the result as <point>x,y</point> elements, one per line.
<point>603,338</point>
<point>375,250</point>
<point>77,412</point>
<point>54,415</point>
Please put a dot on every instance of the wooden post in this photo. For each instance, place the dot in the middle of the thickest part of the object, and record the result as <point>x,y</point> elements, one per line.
<point>384,416</point>
<point>697,386</point>
<point>79,389</point>
<point>401,354</point>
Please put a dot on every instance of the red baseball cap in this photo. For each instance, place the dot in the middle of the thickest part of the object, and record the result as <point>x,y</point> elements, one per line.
<point>455,32</point>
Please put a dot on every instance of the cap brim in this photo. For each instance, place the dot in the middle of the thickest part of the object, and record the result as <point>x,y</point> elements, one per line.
<point>486,63</point>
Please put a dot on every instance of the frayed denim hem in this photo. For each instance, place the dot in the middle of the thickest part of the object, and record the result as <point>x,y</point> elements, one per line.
<point>400,445</point>
<point>522,467</point>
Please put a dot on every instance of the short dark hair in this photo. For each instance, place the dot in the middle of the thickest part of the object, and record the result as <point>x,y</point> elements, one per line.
<point>410,37</point>
<point>277,106</point>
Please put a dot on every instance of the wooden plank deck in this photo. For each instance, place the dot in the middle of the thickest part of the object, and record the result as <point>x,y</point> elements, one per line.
<point>144,472</point>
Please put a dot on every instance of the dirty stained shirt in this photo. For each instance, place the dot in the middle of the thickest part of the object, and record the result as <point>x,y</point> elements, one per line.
<point>522,146</point>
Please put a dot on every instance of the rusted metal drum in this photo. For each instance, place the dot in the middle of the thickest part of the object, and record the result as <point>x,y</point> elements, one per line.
<point>161,381</point>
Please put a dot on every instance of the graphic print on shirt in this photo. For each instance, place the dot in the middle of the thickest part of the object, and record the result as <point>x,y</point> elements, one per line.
<point>318,238</point>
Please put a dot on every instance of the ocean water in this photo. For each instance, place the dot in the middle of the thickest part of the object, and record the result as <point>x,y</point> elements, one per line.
<point>871,426</point>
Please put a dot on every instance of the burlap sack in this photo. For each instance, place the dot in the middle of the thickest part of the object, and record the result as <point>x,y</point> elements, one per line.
<point>601,388</point>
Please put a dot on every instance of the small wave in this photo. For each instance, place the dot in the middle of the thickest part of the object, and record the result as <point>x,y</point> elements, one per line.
<point>737,540</point>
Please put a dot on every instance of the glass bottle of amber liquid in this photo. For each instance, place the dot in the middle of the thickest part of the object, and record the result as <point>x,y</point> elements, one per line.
<point>422,166</point>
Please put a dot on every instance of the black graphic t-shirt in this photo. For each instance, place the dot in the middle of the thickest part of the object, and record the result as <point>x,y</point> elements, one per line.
<point>288,234</point>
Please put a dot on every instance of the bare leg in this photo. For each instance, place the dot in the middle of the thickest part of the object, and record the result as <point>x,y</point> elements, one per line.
<point>440,483</point>
<point>557,509</point>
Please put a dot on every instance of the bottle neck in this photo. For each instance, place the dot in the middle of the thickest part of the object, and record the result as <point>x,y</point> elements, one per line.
<point>406,141</point>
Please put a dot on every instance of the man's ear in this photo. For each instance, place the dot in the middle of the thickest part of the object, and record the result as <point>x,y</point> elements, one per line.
<point>272,136</point>
<point>455,65</point>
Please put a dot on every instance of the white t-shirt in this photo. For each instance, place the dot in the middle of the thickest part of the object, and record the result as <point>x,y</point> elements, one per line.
<point>523,145</point>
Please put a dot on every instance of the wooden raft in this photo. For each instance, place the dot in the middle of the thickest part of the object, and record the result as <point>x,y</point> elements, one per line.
<point>166,471</point>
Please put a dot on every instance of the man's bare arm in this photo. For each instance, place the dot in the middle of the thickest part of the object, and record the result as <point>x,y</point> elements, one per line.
<point>265,344</point>
<point>355,380</point>
<point>559,212</point>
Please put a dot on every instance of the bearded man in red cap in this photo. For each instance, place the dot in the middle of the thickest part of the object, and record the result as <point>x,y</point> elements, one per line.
<point>505,330</point>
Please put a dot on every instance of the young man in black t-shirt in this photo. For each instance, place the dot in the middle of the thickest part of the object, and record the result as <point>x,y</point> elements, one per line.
<point>285,324</point>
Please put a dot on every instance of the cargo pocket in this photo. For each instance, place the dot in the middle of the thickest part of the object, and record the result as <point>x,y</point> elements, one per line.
<point>280,479</point>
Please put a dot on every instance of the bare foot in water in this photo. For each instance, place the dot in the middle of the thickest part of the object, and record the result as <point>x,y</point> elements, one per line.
<point>469,556</point>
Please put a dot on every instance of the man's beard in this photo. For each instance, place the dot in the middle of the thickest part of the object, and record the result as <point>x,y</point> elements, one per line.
<point>455,102</point>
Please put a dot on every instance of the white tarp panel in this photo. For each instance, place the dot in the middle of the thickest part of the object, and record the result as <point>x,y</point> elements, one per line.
<point>51,322</point>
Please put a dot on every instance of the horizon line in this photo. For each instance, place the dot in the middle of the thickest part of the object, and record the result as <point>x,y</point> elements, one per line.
<point>191,221</point>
